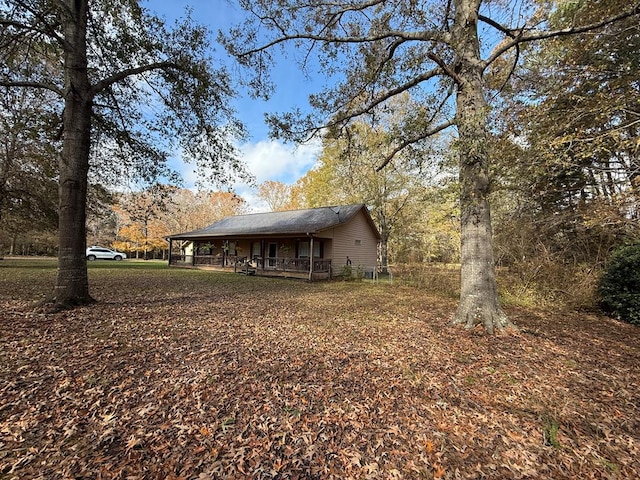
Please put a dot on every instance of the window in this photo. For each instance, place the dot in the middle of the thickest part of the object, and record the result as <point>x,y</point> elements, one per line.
<point>303,250</point>
<point>358,242</point>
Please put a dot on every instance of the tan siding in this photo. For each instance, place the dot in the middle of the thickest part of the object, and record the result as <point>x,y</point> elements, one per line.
<point>328,247</point>
<point>345,245</point>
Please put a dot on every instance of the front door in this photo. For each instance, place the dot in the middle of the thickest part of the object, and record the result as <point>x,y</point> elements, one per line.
<point>273,251</point>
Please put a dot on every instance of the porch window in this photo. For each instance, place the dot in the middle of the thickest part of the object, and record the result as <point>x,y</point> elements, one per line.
<point>303,249</point>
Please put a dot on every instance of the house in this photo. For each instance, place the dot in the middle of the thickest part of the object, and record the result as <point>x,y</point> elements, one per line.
<point>315,243</point>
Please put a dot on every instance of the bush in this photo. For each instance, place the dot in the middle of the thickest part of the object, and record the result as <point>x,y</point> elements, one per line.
<point>619,288</point>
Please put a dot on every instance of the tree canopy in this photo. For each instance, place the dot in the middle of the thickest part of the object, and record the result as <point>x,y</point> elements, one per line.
<point>567,131</point>
<point>347,173</point>
<point>129,91</point>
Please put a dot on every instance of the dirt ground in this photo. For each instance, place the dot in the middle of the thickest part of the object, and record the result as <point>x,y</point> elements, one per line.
<point>199,375</point>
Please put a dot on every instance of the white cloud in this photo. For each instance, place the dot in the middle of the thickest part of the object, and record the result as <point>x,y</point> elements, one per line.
<point>250,196</point>
<point>272,160</point>
<point>266,160</point>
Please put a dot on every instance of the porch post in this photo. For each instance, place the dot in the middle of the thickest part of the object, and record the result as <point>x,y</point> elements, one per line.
<point>311,260</point>
<point>170,244</point>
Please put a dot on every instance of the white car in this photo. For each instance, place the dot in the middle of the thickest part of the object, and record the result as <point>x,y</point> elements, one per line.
<point>101,253</point>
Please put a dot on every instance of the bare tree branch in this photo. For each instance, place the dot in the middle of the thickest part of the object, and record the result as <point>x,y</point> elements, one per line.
<point>24,84</point>
<point>444,67</point>
<point>510,32</point>
<point>543,35</point>
<point>431,35</point>
<point>129,72</point>
<point>395,91</point>
<point>410,141</point>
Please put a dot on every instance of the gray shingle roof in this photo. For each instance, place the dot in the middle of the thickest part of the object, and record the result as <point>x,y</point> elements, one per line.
<point>311,220</point>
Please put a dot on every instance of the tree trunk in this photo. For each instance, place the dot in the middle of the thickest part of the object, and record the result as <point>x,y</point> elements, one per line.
<point>72,284</point>
<point>479,304</point>
<point>384,255</point>
<point>384,240</point>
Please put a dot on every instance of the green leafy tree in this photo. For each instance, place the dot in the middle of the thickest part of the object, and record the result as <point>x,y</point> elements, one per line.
<point>28,196</point>
<point>573,108</point>
<point>438,230</point>
<point>347,173</point>
<point>129,88</point>
<point>379,49</point>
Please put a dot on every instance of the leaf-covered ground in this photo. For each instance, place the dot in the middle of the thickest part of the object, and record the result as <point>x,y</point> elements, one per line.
<point>200,375</point>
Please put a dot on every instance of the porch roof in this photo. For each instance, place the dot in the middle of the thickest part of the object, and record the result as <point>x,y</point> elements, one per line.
<point>292,222</point>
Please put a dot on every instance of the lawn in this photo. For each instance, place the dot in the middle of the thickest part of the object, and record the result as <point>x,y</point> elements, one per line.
<point>200,375</point>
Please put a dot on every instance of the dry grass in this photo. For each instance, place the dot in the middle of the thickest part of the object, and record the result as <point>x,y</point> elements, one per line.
<point>529,284</point>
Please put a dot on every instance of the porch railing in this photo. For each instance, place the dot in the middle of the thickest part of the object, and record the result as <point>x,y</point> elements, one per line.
<point>294,264</point>
<point>178,259</point>
<point>212,260</point>
<point>216,260</point>
<point>267,263</point>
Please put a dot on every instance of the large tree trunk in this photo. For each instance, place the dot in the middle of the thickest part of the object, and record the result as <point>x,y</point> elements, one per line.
<point>479,304</point>
<point>72,284</point>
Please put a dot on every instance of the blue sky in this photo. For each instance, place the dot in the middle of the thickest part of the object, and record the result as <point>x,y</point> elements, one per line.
<point>267,159</point>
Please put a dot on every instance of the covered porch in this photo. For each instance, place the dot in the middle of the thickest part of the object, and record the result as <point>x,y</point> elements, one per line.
<point>283,257</point>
